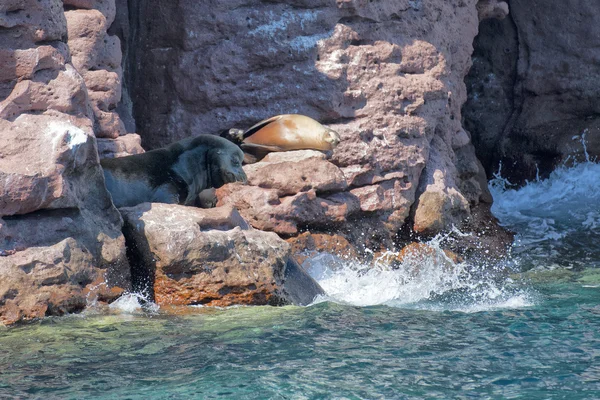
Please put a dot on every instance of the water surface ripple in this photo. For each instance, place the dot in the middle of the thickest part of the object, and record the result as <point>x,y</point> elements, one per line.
<point>324,351</point>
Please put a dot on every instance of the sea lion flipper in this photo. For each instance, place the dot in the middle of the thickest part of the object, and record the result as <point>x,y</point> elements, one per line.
<point>207,198</point>
<point>255,128</point>
<point>249,158</point>
<point>258,151</point>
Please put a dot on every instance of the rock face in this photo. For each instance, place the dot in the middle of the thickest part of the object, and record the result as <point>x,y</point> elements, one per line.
<point>212,257</point>
<point>387,75</point>
<point>60,239</point>
<point>532,90</point>
<point>125,145</point>
<point>97,57</point>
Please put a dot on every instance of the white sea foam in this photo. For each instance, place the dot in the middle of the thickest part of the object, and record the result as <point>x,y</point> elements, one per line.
<point>131,303</point>
<point>555,217</point>
<point>427,281</point>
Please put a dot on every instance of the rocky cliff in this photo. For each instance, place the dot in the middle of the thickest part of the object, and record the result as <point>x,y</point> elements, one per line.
<point>387,75</point>
<point>532,89</point>
<point>61,244</point>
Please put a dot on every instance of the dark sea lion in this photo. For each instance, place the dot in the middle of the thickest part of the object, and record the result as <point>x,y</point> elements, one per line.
<point>175,174</point>
<point>283,133</point>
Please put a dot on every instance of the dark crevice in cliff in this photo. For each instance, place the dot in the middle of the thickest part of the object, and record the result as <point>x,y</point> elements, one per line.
<point>142,276</point>
<point>493,90</point>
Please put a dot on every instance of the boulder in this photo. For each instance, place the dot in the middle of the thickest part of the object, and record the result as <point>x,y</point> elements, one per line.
<point>61,247</point>
<point>292,172</point>
<point>290,190</point>
<point>190,256</point>
<point>308,245</point>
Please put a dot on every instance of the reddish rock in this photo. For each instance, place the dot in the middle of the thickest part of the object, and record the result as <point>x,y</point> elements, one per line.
<point>414,258</point>
<point>60,241</point>
<point>387,75</point>
<point>61,246</point>
<point>97,56</point>
<point>416,253</point>
<point>212,257</point>
<point>307,245</point>
<point>296,171</point>
<point>26,22</point>
<point>125,145</point>
<point>266,211</point>
<point>42,157</point>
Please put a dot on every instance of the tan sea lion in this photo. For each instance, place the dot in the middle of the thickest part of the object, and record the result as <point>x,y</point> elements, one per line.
<point>175,174</point>
<point>284,133</point>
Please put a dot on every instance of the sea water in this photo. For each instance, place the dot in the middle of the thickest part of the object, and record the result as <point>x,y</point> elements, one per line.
<point>436,330</point>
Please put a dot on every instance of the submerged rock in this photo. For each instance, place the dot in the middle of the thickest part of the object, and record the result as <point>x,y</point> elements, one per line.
<point>189,256</point>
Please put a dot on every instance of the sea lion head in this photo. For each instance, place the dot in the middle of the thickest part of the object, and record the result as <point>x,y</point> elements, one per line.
<point>225,165</point>
<point>330,137</point>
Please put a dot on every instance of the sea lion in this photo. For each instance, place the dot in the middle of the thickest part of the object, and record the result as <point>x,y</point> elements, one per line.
<point>283,133</point>
<point>175,174</point>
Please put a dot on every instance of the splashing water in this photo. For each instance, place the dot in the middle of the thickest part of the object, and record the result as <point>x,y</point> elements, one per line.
<point>132,303</point>
<point>555,217</point>
<point>426,280</point>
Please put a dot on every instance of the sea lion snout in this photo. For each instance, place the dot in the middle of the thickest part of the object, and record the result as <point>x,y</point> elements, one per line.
<point>237,177</point>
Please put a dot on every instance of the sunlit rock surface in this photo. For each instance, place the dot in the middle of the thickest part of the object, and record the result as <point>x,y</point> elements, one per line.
<point>97,57</point>
<point>60,240</point>
<point>189,256</point>
<point>387,75</point>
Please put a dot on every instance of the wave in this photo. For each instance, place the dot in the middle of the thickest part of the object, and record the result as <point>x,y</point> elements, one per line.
<point>557,220</point>
<point>429,280</point>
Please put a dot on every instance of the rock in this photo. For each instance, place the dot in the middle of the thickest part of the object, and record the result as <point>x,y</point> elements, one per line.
<point>307,245</point>
<point>266,211</point>
<point>60,240</point>
<point>440,205</point>
<point>212,257</point>
<point>492,9</point>
<point>42,160</point>
<point>387,75</point>
<point>418,253</point>
<point>27,22</point>
<point>125,145</point>
<point>484,241</point>
<point>61,246</point>
<point>531,98</point>
<point>97,56</point>
<point>296,171</point>
<point>60,278</point>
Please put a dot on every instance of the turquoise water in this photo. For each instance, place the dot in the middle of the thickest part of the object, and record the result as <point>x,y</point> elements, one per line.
<point>549,351</point>
<point>440,332</point>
